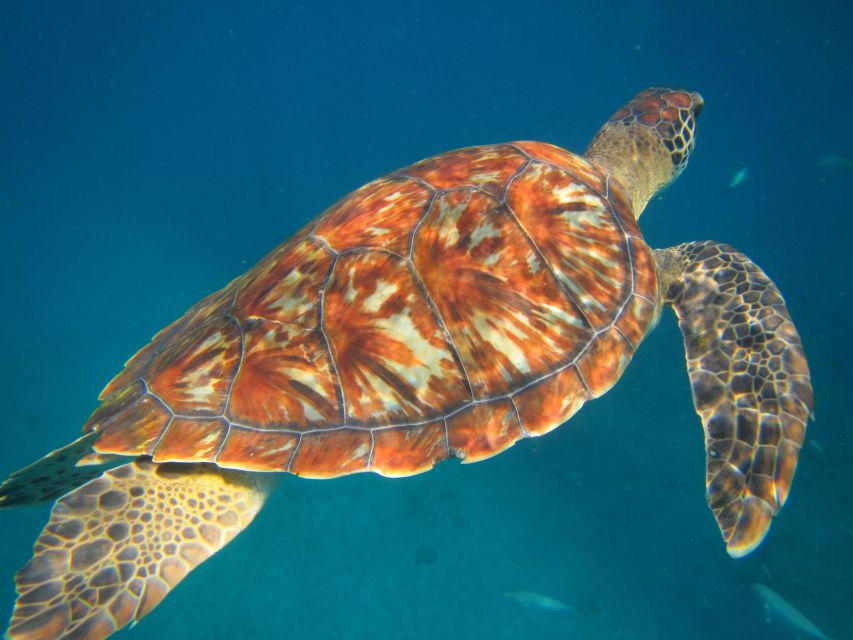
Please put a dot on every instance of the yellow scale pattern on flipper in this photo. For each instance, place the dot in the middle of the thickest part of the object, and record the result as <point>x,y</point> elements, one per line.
<point>750,381</point>
<point>116,546</point>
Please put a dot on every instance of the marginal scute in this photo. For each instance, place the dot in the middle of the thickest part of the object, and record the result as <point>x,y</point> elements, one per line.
<point>404,451</point>
<point>133,430</point>
<point>548,404</point>
<point>327,454</point>
<point>483,430</point>
<point>255,450</point>
<point>604,360</point>
<point>645,272</point>
<point>633,323</point>
<point>114,405</point>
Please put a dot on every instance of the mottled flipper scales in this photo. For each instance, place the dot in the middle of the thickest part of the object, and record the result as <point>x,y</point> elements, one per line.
<point>56,473</point>
<point>116,546</point>
<point>750,381</point>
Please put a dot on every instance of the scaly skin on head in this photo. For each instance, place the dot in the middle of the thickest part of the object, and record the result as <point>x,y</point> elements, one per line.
<point>646,144</point>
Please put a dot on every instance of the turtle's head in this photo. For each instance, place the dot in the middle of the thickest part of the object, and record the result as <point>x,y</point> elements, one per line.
<point>647,143</point>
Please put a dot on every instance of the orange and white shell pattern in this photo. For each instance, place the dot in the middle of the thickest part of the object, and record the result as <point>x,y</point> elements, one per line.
<point>448,309</point>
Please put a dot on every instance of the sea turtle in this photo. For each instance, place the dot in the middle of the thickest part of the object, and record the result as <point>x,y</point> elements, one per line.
<point>448,309</point>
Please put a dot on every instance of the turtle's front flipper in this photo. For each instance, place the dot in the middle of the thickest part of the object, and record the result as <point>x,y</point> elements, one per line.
<point>115,547</point>
<point>750,380</point>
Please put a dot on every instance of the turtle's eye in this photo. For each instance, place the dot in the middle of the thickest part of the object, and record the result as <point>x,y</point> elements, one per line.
<point>697,109</point>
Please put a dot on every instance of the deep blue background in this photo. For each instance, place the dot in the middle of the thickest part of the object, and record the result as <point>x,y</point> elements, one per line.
<point>151,151</point>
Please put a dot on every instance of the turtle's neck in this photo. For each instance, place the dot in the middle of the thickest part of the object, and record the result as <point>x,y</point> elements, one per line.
<point>635,157</point>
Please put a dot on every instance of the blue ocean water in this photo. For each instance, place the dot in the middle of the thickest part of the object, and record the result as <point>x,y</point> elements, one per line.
<point>152,151</point>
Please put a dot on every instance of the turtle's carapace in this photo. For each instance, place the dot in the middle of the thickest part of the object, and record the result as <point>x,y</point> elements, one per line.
<point>449,309</point>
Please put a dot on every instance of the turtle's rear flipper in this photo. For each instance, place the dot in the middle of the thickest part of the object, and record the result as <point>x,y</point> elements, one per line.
<point>115,547</point>
<point>56,474</point>
<point>750,381</point>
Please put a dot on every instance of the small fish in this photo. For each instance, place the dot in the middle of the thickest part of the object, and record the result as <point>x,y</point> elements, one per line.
<point>775,606</point>
<point>536,601</point>
<point>738,179</point>
<point>834,162</point>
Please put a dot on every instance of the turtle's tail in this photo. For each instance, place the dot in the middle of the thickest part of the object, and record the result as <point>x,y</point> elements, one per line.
<point>750,380</point>
<point>117,545</point>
